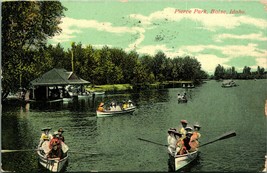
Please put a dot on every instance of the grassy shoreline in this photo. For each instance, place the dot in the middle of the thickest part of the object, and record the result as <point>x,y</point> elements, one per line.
<point>124,87</point>
<point>115,87</point>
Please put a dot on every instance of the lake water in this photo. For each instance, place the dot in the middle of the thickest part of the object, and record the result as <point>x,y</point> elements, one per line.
<point>111,143</point>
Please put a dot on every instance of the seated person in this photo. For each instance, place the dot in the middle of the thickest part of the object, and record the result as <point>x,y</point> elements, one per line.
<point>60,134</point>
<point>185,147</point>
<point>55,140</point>
<point>45,136</point>
<point>101,107</point>
<point>194,138</point>
<point>124,105</point>
<point>130,103</point>
<point>55,152</point>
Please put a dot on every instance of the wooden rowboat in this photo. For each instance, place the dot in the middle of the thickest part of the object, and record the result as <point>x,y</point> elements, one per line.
<point>115,112</point>
<point>178,162</point>
<point>183,160</point>
<point>52,164</point>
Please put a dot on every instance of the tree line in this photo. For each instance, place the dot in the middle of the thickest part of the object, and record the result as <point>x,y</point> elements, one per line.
<point>230,73</point>
<point>26,26</point>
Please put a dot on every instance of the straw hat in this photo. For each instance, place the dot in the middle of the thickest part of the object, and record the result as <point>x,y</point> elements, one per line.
<point>189,129</point>
<point>172,130</point>
<point>60,130</point>
<point>55,133</point>
<point>184,121</point>
<point>197,126</point>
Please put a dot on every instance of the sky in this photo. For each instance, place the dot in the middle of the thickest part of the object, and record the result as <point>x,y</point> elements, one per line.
<point>225,32</point>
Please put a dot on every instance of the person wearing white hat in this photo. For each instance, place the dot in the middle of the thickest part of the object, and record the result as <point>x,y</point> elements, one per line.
<point>196,130</point>
<point>172,139</point>
<point>194,138</point>
<point>45,136</point>
<point>130,103</point>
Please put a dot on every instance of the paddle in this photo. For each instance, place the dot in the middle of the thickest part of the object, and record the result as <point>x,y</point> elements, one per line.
<point>27,150</point>
<point>153,142</point>
<point>77,152</point>
<point>224,136</point>
<point>10,151</point>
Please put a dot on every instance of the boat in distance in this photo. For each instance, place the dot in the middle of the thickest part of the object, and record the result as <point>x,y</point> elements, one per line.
<point>107,113</point>
<point>228,84</point>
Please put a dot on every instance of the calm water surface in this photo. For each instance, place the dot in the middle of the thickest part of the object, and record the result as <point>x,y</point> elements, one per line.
<point>111,143</point>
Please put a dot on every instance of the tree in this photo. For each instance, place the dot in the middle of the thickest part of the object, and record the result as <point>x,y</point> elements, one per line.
<point>219,72</point>
<point>159,65</point>
<point>26,25</point>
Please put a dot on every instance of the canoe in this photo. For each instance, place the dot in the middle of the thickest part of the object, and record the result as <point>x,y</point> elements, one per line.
<point>183,160</point>
<point>110,113</point>
<point>52,164</point>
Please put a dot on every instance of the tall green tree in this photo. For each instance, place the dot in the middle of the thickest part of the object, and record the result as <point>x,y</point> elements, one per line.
<point>26,25</point>
<point>159,65</point>
<point>219,72</point>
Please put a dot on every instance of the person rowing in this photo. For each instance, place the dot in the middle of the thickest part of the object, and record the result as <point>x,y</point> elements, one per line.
<point>194,143</point>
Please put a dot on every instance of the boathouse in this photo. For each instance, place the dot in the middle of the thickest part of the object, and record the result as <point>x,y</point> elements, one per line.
<point>51,85</point>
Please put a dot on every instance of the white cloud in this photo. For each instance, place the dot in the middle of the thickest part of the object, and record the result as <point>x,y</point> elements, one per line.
<point>71,26</point>
<point>153,49</point>
<point>262,62</point>
<point>231,51</point>
<point>210,62</point>
<point>254,36</point>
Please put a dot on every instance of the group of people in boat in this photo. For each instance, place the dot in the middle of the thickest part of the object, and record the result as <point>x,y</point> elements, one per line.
<point>181,96</point>
<point>184,140</point>
<point>52,145</point>
<point>115,107</point>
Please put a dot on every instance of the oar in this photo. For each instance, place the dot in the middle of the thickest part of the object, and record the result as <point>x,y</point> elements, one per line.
<point>153,142</point>
<point>224,136</point>
<point>10,151</point>
<point>78,152</point>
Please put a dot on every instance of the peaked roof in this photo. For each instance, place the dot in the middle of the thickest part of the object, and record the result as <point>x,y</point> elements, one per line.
<point>58,77</point>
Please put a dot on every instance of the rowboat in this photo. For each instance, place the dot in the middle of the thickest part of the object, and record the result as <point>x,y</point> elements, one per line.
<point>179,161</point>
<point>107,113</point>
<point>228,84</point>
<point>182,100</point>
<point>52,164</point>
<point>183,160</point>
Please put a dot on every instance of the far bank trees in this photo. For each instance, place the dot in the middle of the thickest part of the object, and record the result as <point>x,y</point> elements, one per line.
<point>230,73</point>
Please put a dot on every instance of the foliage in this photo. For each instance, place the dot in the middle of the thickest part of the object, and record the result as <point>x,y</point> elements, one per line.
<point>26,25</point>
<point>231,73</point>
